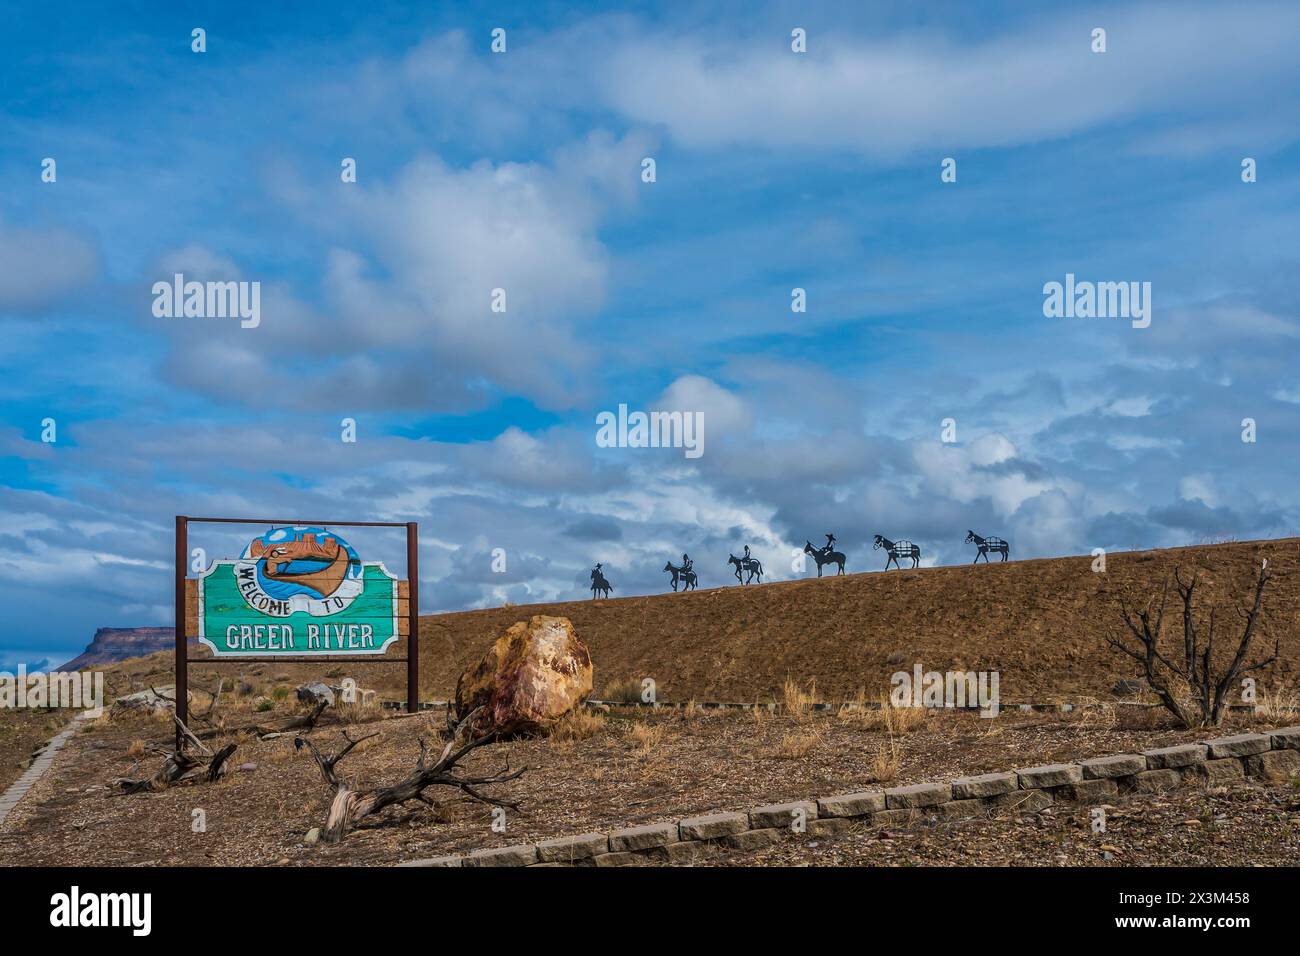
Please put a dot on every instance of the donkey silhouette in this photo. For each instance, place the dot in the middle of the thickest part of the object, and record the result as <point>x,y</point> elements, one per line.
<point>896,550</point>
<point>752,565</point>
<point>688,578</point>
<point>986,545</point>
<point>824,556</point>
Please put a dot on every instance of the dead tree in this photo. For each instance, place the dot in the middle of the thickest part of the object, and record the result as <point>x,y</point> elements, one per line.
<point>189,762</point>
<point>350,805</point>
<point>1207,680</point>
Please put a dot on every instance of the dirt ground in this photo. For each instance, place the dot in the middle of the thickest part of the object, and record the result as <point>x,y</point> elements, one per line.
<point>620,769</point>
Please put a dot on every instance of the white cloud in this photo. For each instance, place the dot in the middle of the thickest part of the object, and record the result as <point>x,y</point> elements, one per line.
<point>900,93</point>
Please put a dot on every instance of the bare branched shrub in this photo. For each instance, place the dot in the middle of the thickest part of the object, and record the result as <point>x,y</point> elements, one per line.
<point>1193,685</point>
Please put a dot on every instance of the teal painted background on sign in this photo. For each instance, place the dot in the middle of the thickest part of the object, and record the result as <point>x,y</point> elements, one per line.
<point>223,606</point>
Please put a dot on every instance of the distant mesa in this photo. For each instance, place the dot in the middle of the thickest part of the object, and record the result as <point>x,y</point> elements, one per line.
<point>113,644</point>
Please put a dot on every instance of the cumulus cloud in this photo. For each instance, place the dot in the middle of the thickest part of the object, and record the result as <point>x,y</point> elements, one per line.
<point>403,315</point>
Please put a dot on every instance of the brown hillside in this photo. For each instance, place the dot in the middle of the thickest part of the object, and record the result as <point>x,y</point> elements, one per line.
<point>1041,624</point>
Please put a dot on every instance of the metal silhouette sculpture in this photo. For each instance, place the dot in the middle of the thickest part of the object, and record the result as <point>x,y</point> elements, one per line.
<point>599,583</point>
<point>749,563</point>
<point>898,549</point>
<point>825,555</point>
<point>684,575</point>
<point>986,545</point>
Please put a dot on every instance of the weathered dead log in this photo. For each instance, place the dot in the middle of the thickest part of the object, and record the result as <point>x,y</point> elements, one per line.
<point>351,805</point>
<point>300,722</point>
<point>191,761</point>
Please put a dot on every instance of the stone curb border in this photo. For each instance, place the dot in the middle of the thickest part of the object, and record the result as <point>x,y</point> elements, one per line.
<point>1091,781</point>
<point>44,757</point>
<point>821,707</point>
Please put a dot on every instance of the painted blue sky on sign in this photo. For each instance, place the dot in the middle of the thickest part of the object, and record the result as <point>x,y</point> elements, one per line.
<point>522,170</point>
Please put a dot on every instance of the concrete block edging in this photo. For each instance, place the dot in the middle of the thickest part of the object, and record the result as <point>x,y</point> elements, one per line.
<point>1026,790</point>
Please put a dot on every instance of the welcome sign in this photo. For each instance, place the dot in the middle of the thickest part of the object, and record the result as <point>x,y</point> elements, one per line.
<point>297,591</point>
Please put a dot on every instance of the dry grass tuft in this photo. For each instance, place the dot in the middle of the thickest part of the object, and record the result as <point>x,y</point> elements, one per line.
<point>886,762</point>
<point>581,723</point>
<point>798,744</point>
<point>625,691</point>
<point>136,750</point>
<point>645,737</point>
<point>798,702</point>
<point>1276,705</point>
<point>1099,717</point>
<point>887,717</point>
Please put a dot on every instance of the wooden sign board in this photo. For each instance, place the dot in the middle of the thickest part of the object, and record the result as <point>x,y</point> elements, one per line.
<point>298,591</point>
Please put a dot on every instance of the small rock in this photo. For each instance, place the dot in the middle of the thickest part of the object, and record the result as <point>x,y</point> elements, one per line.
<point>248,766</point>
<point>313,694</point>
<point>313,835</point>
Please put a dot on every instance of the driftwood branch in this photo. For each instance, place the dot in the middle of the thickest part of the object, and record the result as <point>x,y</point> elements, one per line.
<point>301,722</point>
<point>190,762</point>
<point>351,806</point>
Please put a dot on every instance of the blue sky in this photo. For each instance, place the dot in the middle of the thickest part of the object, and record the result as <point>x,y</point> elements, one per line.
<point>521,170</point>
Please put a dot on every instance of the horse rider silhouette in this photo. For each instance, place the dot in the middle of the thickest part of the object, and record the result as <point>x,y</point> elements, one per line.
<point>687,563</point>
<point>598,582</point>
<point>683,574</point>
<point>830,544</point>
<point>823,556</point>
<point>747,563</point>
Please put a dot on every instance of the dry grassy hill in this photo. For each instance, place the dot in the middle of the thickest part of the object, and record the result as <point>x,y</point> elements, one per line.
<point>1040,623</point>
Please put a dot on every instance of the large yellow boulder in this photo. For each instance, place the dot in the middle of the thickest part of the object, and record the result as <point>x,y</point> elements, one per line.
<point>535,673</point>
